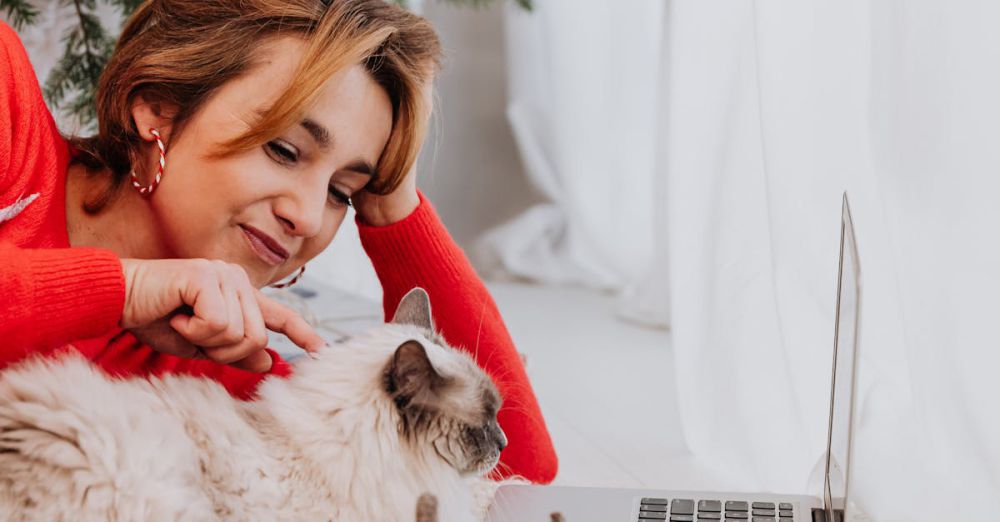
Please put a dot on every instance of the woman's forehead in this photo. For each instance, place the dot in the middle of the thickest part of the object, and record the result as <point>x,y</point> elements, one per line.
<point>353,109</point>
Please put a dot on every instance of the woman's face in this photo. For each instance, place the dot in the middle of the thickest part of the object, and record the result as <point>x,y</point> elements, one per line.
<point>277,206</point>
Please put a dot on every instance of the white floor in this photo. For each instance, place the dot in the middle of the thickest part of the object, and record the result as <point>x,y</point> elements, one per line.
<point>605,385</point>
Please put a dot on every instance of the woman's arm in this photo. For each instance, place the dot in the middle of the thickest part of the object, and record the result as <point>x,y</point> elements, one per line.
<point>417,251</point>
<point>49,297</point>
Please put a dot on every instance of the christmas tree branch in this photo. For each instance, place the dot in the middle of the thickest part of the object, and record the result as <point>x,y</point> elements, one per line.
<point>19,12</point>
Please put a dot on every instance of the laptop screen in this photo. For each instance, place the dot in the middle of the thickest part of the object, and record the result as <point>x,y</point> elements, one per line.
<point>845,351</point>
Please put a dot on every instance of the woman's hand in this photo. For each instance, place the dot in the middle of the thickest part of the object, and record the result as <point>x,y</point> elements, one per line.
<point>198,308</point>
<point>392,207</point>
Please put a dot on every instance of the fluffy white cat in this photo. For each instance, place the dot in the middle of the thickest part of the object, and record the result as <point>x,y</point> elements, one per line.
<point>358,433</point>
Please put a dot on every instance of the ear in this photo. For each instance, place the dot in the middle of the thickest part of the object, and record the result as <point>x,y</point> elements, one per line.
<point>412,378</point>
<point>415,309</point>
<point>150,113</point>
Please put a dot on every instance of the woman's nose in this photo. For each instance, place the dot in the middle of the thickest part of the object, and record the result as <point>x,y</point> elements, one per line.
<point>302,215</point>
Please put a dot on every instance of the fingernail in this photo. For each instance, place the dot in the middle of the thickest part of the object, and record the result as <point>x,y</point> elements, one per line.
<point>315,353</point>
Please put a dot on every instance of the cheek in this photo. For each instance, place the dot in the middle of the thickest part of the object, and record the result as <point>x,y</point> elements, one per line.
<point>199,201</point>
<point>314,246</point>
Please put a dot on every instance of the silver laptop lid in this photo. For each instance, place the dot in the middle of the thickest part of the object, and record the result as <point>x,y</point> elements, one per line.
<point>842,387</point>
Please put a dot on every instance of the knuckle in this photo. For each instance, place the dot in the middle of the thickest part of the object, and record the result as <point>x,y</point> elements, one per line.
<point>235,270</point>
<point>259,340</point>
<point>201,265</point>
<point>207,280</point>
<point>220,266</point>
<point>242,279</point>
<point>225,336</point>
<point>217,323</point>
<point>234,335</point>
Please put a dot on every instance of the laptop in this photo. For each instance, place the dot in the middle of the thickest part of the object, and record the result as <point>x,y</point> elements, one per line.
<point>529,503</point>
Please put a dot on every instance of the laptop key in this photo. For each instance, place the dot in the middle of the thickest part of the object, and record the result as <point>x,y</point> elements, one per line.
<point>763,512</point>
<point>652,515</point>
<point>711,506</point>
<point>681,518</point>
<point>785,506</point>
<point>785,514</point>
<point>682,507</point>
<point>736,505</point>
<point>654,500</point>
<point>736,514</point>
<point>763,519</point>
<point>652,507</point>
<point>763,505</point>
<point>709,516</point>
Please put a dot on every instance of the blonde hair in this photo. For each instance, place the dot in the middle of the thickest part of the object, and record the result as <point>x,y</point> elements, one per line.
<point>181,51</point>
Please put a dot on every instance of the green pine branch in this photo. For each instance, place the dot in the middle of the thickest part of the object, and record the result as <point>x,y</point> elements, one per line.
<point>18,12</point>
<point>71,85</point>
<point>72,82</point>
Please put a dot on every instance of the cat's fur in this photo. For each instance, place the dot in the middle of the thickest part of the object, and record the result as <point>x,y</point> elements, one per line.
<point>358,433</point>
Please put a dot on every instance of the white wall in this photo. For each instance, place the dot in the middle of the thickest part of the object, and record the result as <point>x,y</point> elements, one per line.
<point>471,169</point>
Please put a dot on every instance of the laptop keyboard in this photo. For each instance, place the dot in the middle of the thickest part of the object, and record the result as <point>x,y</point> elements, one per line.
<point>687,510</point>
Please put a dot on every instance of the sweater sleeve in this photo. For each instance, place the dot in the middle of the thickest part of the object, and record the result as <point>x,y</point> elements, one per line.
<point>418,251</point>
<point>49,297</point>
<point>25,122</point>
<point>8,101</point>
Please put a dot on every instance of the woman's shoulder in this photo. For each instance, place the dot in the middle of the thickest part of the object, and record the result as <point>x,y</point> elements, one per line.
<point>31,147</point>
<point>15,56</point>
<point>19,86</point>
<point>8,36</point>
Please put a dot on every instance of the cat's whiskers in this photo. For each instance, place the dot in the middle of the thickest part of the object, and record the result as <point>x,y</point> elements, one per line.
<point>479,331</point>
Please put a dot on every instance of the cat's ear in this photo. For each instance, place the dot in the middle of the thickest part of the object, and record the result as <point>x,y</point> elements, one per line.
<point>415,309</point>
<point>412,377</point>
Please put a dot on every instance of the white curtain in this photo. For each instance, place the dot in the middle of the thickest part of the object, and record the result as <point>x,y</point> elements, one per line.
<point>774,108</point>
<point>587,148</point>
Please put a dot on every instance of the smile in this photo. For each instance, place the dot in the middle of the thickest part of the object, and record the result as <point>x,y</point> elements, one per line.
<point>266,247</point>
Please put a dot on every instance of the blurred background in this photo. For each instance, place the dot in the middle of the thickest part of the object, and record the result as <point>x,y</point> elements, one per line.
<point>652,190</point>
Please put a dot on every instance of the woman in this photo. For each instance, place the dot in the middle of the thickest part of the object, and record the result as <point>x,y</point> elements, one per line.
<point>232,138</point>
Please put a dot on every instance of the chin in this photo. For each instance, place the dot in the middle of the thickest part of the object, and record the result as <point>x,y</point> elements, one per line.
<point>259,279</point>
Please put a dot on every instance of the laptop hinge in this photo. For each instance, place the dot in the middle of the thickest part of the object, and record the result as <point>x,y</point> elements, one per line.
<point>819,515</point>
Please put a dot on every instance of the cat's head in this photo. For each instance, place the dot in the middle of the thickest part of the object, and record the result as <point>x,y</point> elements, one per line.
<point>443,397</point>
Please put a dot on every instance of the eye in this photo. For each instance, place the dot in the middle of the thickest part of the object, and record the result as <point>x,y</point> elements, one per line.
<point>339,197</point>
<point>282,152</point>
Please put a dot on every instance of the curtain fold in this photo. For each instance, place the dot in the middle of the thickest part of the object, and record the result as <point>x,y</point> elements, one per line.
<point>586,148</point>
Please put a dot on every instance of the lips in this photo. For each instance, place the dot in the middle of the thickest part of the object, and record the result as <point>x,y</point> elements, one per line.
<point>266,247</point>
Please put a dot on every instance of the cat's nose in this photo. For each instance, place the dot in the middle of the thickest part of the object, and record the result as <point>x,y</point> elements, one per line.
<point>501,440</point>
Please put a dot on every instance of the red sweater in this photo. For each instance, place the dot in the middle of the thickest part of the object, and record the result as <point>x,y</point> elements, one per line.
<point>53,295</point>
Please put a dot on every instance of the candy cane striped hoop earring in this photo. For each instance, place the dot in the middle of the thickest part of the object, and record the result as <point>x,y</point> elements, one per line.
<point>292,281</point>
<point>147,190</point>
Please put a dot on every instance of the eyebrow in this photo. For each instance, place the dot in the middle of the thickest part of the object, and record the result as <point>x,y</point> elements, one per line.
<point>325,141</point>
<point>318,132</point>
